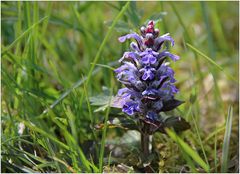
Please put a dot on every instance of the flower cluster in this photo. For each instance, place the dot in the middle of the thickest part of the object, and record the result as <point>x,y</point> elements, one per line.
<point>149,81</point>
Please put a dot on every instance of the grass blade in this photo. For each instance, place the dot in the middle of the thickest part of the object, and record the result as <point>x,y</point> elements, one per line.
<point>105,41</point>
<point>209,29</point>
<point>226,141</point>
<point>211,61</point>
<point>217,131</point>
<point>105,66</point>
<point>45,134</point>
<point>23,34</point>
<point>103,138</point>
<point>74,86</point>
<point>215,152</point>
<point>199,138</point>
<point>193,154</point>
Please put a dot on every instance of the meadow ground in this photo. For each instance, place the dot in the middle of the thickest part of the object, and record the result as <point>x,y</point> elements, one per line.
<point>55,56</point>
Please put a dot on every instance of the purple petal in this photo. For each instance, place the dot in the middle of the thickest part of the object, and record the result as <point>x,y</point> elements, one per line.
<point>118,70</point>
<point>149,51</point>
<point>122,91</point>
<point>118,102</point>
<point>145,60</point>
<point>147,73</point>
<point>165,37</point>
<point>131,107</point>
<point>134,46</point>
<point>149,92</point>
<point>149,59</point>
<point>121,69</point>
<point>130,56</point>
<point>145,76</point>
<point>167,54</point>
<point>159,41</point>
<point>129,36</point>
<point>122,97</point>
<point>152,59</point>
<point>162,78</point>
<point>131,66</point>
<point>150,75</point>
<point>173,89</point>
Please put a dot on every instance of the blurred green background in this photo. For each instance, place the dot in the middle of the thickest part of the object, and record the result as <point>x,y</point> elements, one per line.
<point>48,50</point>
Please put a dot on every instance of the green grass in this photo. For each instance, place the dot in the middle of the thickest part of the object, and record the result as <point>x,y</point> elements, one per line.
<point>226,141</point>
<point>188,150</point>
<point>55,56</point>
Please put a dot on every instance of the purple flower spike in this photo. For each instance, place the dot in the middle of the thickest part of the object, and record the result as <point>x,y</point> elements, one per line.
<point>149,81</point>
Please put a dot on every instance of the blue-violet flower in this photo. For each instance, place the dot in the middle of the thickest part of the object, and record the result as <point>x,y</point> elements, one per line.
<point>149,81</point>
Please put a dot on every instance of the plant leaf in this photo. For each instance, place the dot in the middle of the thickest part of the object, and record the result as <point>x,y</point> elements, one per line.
<point>177,123</point>
<point>171,104</point>
<point>103,101</point>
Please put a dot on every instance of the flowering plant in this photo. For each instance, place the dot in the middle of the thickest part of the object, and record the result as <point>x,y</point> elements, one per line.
<point>149,84</point>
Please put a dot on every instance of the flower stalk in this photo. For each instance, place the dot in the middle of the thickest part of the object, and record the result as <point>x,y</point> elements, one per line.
<point>145,137</point>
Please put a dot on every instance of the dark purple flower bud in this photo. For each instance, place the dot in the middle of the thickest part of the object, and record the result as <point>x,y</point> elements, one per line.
<point>149,81</point>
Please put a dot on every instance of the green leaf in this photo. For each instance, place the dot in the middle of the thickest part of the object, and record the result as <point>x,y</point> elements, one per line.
<point>171,104</point>
<point>102,101</point>
<point>187,149</point>
<point>177,123</point>
<point>226,141</point>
